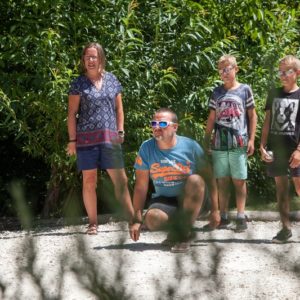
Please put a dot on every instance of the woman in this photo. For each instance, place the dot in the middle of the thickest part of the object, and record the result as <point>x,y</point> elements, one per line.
<point>96,130</point>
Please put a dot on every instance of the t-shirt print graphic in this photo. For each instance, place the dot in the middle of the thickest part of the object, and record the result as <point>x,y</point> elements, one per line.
<point>284,113</point>
<point>229,112</point>
<point>169,174</point>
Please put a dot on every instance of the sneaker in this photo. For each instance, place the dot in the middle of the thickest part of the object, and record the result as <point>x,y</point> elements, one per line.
<point>241,225</point>
<point>224,224</point>
<point>282,236</point>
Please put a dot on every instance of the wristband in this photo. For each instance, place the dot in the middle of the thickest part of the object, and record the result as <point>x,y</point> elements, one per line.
<point>72,141</point>
<point>121,133</point>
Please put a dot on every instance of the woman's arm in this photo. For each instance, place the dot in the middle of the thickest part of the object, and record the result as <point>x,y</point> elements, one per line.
<point>73,107</point>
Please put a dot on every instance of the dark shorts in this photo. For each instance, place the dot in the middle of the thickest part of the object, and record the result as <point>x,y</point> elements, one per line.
<point>280,166</point>
<point>168,205</point>
<point>103,156</point>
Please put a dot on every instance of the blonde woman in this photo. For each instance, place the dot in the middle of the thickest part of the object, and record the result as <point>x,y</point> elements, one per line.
<point>96,130</point>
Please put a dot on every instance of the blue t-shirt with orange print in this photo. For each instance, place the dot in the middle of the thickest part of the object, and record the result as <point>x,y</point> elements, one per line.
<point>170,168</point>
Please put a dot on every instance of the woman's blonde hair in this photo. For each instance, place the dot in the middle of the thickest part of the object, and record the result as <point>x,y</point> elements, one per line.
<point>101,56</point>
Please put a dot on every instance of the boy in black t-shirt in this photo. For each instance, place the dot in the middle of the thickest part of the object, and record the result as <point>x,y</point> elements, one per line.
<point>280,139</point>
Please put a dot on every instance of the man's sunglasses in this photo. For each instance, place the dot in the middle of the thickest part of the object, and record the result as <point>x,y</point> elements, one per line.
<point>161,124</point>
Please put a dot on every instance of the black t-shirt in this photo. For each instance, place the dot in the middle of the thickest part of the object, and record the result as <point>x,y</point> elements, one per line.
<point>285,120</point>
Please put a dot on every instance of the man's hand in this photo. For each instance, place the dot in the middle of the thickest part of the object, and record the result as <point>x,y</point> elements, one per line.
<point>214,219</point>
<point>134,230</point>
<point>295,159</point>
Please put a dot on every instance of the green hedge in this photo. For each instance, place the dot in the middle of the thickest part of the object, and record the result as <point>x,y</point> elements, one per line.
<point>163,52</point>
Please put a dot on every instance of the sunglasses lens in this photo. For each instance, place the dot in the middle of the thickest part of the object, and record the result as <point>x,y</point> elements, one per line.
<point>163,124</point>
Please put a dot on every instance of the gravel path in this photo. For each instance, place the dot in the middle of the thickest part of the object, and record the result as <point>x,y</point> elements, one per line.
<point>63,263</point>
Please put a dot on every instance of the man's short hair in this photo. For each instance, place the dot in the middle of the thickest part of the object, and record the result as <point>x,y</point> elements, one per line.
<point>168,110</point>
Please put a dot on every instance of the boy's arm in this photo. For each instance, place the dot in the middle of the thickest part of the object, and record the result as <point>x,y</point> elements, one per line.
<point>265,134</point>
<point>120,117</point>
<point>295,158</point>
<point>252,128</point>
<point>139,198</point>
<point>209,128</point>
<point>119,112</point>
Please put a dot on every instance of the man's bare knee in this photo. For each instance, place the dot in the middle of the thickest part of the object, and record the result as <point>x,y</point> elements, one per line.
<point>195,186</point>
<point>155,219</point>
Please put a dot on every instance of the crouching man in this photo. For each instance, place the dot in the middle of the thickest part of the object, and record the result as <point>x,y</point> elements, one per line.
<point>180,173</point>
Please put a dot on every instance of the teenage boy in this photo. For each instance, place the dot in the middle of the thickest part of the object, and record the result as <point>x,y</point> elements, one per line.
<point>232,119</point>
<point>280,134</point>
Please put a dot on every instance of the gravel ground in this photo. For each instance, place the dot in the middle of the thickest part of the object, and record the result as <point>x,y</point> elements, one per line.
<point>60,262</point>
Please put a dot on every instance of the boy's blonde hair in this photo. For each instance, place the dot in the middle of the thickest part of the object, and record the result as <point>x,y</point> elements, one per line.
<point>291,61</point>
<point>227,59</point>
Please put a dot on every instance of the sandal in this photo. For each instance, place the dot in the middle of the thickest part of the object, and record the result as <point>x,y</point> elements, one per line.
<point>92,229</point>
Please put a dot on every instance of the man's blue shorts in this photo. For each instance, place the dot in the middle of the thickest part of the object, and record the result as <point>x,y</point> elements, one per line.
<point>104,156</point>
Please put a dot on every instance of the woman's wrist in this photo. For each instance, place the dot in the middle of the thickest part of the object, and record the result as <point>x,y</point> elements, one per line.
<point>121,133</point>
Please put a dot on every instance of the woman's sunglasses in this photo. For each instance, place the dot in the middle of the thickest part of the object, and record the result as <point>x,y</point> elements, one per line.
<point>161,124</point>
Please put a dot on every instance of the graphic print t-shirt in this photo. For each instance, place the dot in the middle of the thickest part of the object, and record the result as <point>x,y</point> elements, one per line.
<point>285,118</point>
<point>169,168</point>
<point>231,124</point>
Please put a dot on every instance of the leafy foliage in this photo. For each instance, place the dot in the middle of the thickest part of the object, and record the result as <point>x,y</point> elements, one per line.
<point>163,52</point>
